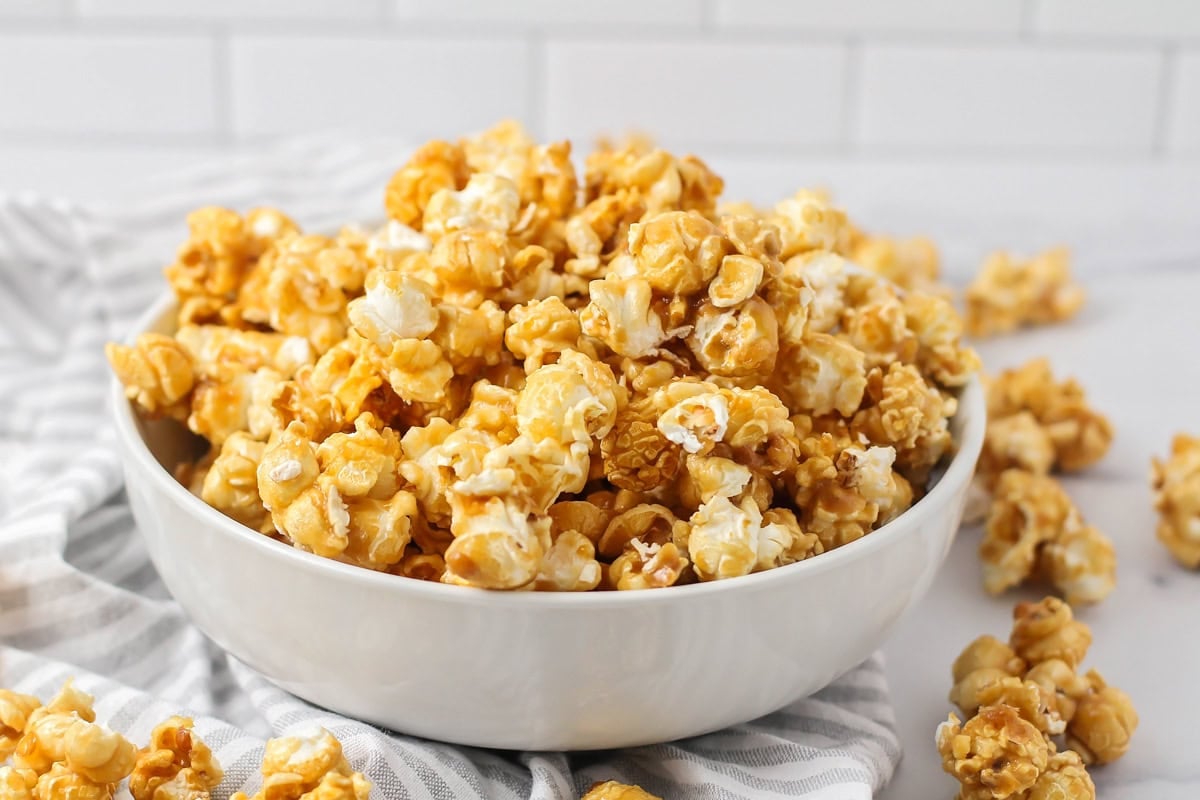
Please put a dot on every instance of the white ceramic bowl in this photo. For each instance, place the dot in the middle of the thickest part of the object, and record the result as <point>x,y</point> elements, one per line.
<point>543,671</point>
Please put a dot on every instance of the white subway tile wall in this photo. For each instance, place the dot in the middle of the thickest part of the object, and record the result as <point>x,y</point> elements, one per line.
<point>1016,118</point>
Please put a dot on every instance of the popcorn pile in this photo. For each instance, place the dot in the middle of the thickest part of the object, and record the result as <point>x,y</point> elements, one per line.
<point>1176,483</point>
<point>521,382</point>
<point>1035,425</point>
<point>1033,722</point>
<point>59,752</point>
<point>1009,293</point>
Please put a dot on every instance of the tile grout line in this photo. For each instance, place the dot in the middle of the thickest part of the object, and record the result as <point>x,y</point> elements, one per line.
<point>1165,101</point>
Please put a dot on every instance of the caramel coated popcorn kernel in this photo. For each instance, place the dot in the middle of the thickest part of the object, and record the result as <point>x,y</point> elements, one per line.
<point>1176,484</point>
<point>1009,293</point>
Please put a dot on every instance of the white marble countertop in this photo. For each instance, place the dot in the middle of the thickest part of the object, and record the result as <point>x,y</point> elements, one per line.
<point>1135,349</point>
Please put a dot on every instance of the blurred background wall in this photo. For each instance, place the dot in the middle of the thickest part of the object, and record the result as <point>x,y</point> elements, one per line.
<point>981,122</point>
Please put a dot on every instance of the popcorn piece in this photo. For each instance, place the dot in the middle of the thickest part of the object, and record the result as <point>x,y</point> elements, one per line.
<point>612,790</point>
<point>210,266</point>
<point>157,373</point>
<point>394,307</point>
<point>1015,442</point>
<point>61,783</point>
<point>1065,778</point>
<point>1059,678</point>
<point>807,221</point>
<point>176,765</point>
<point>665,182</point>
<point>301,299</point>
<point>909,415</point>
<point>1031,701</point>
<point>1034,523</point>
<point>635,453</point>
<point>308,766</point>
<point>995,754</point>
<point>649,523</point>
<point>540,330</point>
<point>1028,511</point>
<point>1009,293</point>
<point>43,742</point>
<point>648,566</point>
<point>843,492</point>
<point>15,710</point>
<point>677,252</point>
<point>17,784</point>
<point>736,281</point>
<point>216,349</point>
<point>984,663</point>
<point>1176,484</point>
<point>231,483</point>
<point>619,314</point>
<point>495,546</point>
<point>97,754</point>
<point>436,166</point>
<point>1103,723</point>
<point>908,263</point>
<point>939,329</point>
<point>876,323</point>
<point>569,565</point>
<point>696,423</point>
<point>1080,435</point>
<point>1048,630</point>
<point>487,202</point>
<point>1082,563</point>
<point>736,342</point>
<point>305,505</point>
<point>830,375</point>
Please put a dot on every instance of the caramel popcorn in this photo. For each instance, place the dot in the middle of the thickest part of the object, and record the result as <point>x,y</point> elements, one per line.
<point>908,263</point>
<point>1065,778</point>
<point>1033,523</point>
<point>996,754</point>
<point>1078,434</point>
<point>1009,293</point>
<point>612,790</point>
<point>1103,722</point>
<point>157,373</point>
<point>1176,484</point>
<point>1033,686</point>
<point>15,710</point>
<point>984,663</point>
<point>60,783</point>
<point>176,765</point>
<point>525,380</point>
<point>309,766</point>
<point>17,784</point>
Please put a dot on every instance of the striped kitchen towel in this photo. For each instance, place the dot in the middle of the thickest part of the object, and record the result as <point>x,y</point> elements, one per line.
<point>79,597</point>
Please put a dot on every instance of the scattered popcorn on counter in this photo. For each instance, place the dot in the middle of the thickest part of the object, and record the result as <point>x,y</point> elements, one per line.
<point>444,397</point>
<point>1033,721</point>
<point>1009,293</point>
<point>1035,529</point>
<point>1176,483</point>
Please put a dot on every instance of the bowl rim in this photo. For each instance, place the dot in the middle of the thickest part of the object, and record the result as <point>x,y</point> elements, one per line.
<point>134,448</point>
